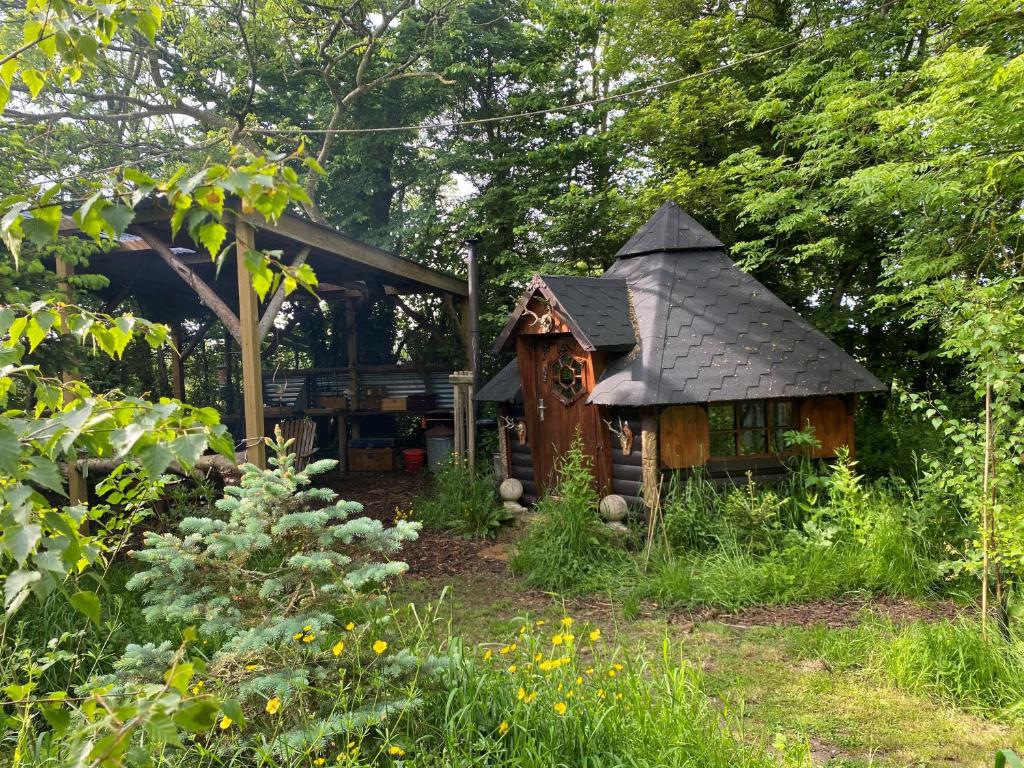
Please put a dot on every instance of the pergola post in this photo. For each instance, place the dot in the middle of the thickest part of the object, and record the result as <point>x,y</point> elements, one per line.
<point>78,490</point>
<point>249,341</point>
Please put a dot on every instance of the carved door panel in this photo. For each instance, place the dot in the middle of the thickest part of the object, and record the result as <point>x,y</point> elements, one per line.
<point>557,376</point>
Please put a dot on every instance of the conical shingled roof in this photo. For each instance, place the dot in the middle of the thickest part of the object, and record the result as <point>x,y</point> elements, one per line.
<point>669,229</point>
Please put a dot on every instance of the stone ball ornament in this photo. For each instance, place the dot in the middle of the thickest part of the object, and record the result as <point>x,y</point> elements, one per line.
<point>510,490</point>
<point>613,508</point>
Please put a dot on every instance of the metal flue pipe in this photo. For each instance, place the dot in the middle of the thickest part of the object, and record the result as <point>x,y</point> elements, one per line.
<point>473,279</point>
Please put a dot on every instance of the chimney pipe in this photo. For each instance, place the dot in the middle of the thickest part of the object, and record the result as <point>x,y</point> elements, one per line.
<point>473,273</point>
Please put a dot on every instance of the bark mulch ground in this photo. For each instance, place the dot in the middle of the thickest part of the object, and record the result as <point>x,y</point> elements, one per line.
<point>435,553</point>
<point>837,613</point>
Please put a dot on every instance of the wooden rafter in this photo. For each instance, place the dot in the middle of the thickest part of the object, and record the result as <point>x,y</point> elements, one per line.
<point>206,295</point>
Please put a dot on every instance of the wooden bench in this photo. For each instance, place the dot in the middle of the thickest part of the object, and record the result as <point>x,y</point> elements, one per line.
<point>303,431</point>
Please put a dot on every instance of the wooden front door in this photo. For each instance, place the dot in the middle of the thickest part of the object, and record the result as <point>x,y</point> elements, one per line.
<point>557,377</point>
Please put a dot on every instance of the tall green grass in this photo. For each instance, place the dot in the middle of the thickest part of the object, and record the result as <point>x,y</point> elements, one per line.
<point>597,707</point>
<point>461,502</point>
<point>946,660</point>
<point>567,548</point>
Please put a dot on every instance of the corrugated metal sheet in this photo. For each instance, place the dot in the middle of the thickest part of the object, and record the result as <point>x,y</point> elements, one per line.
<point>395,383</point>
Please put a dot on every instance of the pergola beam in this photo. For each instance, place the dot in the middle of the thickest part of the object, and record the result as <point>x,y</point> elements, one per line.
<point>339,244</point>
<point>207,296</point>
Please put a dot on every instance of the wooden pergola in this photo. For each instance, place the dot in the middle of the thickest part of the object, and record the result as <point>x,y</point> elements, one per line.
<point>173,281</point>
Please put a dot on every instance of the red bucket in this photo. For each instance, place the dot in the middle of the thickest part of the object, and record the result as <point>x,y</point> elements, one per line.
<point>414,458</point>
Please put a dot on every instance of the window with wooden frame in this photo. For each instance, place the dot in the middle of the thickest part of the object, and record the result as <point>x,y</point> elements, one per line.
<point>750,429</point>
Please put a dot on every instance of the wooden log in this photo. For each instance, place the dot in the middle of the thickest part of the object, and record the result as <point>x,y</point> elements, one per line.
<point>249,341</point>
<point>221,467</point>
<point>207,297</point>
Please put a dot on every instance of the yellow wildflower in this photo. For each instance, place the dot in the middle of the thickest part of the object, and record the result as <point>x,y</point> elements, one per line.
<point>197,688</point>
<point>251,667</point>
<point>379,647</point>
<point>569,694</point>
<point>595,635</point>
<point>522,693</point>
<point>557,639</point>
<point>350,626</point>
<point>522,630</point>
<point>396,750</point>
<point>319,761</point>
<point>530,697</point>
<point>618,695</point>
<point>618,667</point>
<point>539,623</point>
<point>538,656</point>
<point>308,628</point>
<point>488,655</point>
<point>611,673</point>
<point>579,680</point>
<point>512,669</point>
<point>568,637</point>
<point>567,621</point>
<point>297,636</point>
<point>338,647</point>
<point>225,723</point>
<point>560,687</point>
<point>273,705</point>
<point>600,693</point>
<point>560,708</point>
<point>308,638</point>
<point>505,649</point>
<point>590,671</point>
<point>503,727</point>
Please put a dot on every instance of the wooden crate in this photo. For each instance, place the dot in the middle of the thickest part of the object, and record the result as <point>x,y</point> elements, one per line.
<point>393,404</point>
<point>371,459</point>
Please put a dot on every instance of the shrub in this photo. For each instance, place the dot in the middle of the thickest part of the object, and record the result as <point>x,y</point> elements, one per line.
<point>562,698</point>
<point>462,502</point>
<point>567,547</point>
<point>282,594</point>
<point>692,512</point>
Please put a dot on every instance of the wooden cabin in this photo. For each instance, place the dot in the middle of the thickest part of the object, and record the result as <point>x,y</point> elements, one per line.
<point>674,359</point>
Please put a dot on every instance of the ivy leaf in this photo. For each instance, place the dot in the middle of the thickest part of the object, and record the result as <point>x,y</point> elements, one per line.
<point>87,604</point>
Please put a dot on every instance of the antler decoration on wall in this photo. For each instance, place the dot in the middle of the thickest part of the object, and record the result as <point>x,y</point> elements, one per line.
<point>545,321</point>
<point>519,427</point>
<point>625,435</point>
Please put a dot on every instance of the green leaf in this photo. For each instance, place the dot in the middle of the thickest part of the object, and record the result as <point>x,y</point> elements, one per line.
<point>45,473</point>
<point>233,709</point>
<point>188,448</point>
<point>57,716</point>
<point>17,587</point>
<point>1007,758</point>
<point>211,235</point>
<point>88,604</point>
<point>180,676</point>
<point>21,541</point>
<point>10,451</point>
<point>34,81</point>
<point>199,716</point>
<point>118,217</point>
<point>155,458</point>
<point>262,276</point>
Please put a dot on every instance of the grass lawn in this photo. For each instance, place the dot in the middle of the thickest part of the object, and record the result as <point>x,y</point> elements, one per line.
<point>847,718</point>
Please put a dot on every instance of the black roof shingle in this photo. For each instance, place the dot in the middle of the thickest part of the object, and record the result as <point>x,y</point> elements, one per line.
<point>705,330</point>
